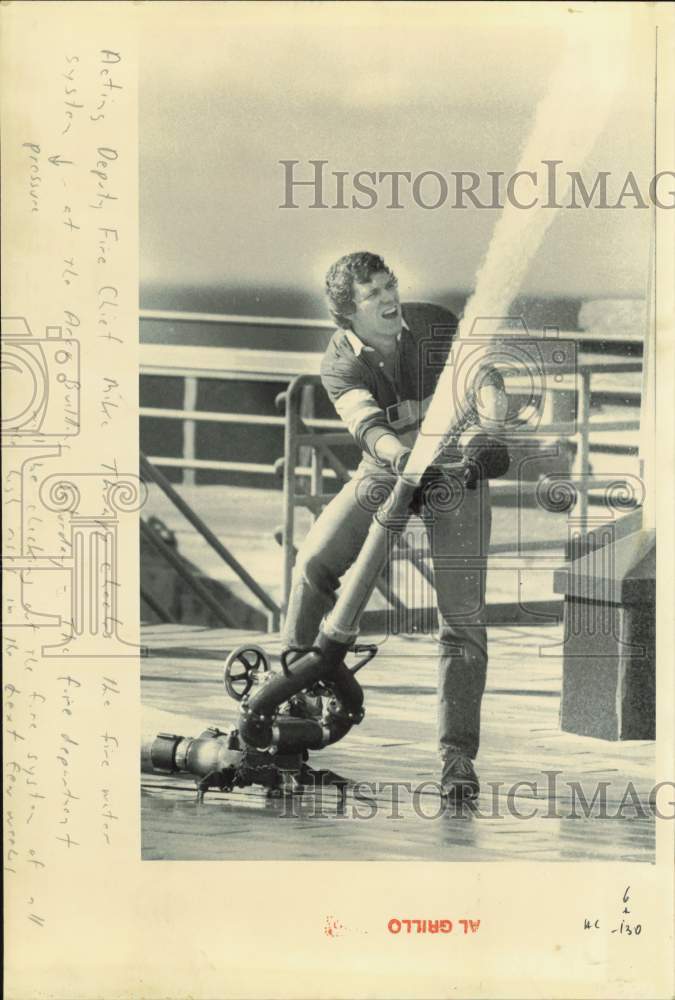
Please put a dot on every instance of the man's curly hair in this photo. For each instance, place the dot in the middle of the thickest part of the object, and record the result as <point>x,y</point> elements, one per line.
<point>359,266</point>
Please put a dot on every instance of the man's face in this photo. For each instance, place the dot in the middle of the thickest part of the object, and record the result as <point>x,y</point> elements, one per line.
<point>377,310</point>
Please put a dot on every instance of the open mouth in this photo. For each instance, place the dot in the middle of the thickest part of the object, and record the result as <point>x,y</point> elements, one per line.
<point>390,313</point>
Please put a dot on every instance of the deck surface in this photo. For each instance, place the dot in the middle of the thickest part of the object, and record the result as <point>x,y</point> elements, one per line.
<point>521,741</point>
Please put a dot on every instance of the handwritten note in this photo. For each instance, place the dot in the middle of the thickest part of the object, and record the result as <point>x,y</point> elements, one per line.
<point>626,922</point>
<point>70,486</point>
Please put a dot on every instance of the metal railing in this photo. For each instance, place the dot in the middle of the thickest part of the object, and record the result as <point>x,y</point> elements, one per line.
<point>311,439</point>
<point>191,364</point>
<point>300,432</point>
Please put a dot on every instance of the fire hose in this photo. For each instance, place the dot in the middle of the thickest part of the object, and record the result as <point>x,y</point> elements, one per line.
<point>270,745</point>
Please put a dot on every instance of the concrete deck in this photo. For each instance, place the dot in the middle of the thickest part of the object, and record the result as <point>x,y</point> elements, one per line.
<point>182,692</point>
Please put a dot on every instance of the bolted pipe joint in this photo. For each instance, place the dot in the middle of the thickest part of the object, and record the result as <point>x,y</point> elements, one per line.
<point>214,752</point>
<point>323,662</point>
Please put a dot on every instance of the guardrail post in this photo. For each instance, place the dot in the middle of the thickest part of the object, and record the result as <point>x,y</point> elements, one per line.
<point>305,412</point>
<point>316,473</point>
<point>189,403</point>
<point>583,458</point>
<point>292,401</point>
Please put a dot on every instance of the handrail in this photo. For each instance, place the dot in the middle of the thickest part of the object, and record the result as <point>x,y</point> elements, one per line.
<point>311,424</point>
<point>242,363</point>
<point>297,434</point>
<point>286,366</point>
<point>217,416</point>
<point>229,319</point>
<point>148,470</point>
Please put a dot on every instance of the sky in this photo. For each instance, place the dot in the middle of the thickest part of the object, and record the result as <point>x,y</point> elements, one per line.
<point>229,90</point>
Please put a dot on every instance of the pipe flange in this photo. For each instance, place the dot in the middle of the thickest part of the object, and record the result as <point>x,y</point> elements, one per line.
<point>343,634</point>
<point>163,751</point>
<point>248,713</point>
<point>182,751</point>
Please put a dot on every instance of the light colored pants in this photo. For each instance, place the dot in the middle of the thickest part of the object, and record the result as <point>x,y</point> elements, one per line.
<point>459,536</point>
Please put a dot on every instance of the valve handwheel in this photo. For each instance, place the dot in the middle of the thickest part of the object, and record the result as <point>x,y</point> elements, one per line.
<point>241,668</point>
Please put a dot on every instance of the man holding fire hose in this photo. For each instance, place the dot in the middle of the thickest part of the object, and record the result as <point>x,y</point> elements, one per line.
<point>380,371</point>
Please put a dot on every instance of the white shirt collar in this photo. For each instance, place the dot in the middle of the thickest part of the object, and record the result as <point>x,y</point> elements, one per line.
<point>358,345</point>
